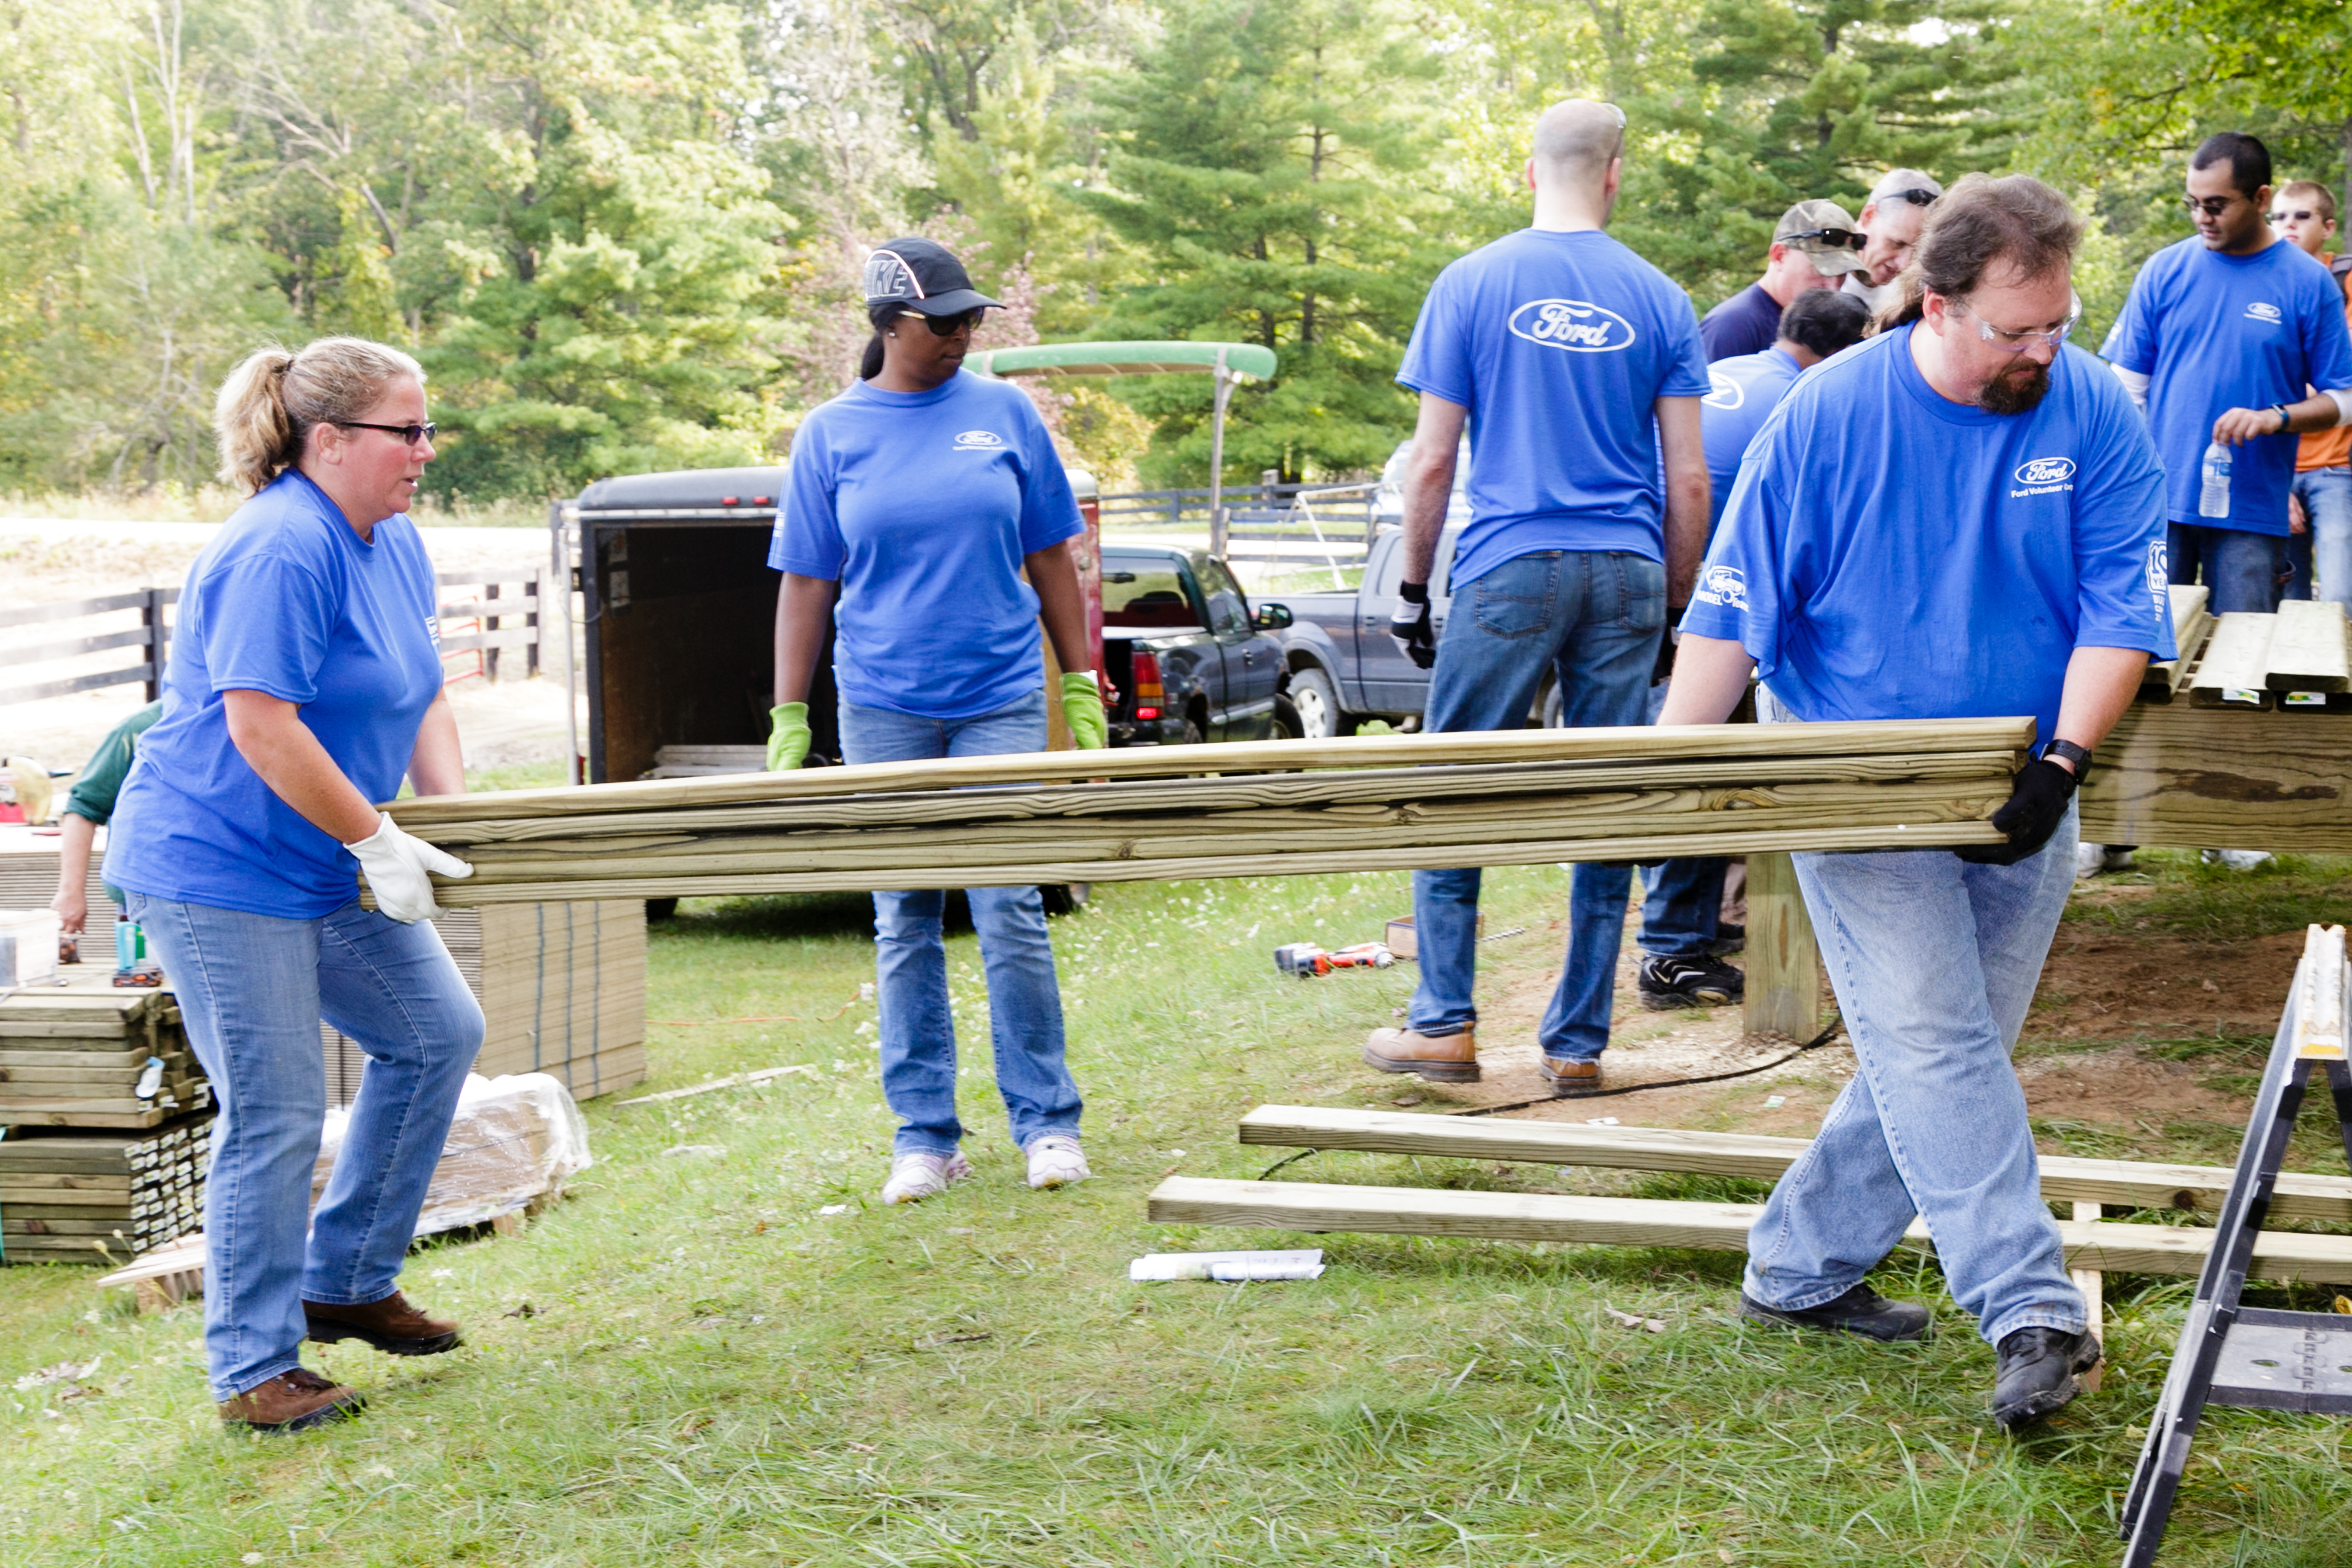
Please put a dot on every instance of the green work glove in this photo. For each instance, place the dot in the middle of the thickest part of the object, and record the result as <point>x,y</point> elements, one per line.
<point>1082,710</point>
<point>788,738</point>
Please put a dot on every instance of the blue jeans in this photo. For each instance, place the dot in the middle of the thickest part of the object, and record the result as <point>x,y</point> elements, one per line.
<point>1025,1000</point>
<point>2327,498</point>
<point>1594,617</point>
<point>252,989</point>
<point>1934,962</point>
<point>2241,569</point>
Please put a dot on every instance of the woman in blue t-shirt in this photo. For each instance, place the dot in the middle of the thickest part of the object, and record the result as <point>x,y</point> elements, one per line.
<point>305,681</point>
<point>914,505</point>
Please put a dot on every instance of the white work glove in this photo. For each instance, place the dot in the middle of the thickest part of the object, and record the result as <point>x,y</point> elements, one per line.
<point>395,865</point>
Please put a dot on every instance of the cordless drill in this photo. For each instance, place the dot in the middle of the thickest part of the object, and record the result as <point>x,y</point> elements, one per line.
<point>1306,960</point>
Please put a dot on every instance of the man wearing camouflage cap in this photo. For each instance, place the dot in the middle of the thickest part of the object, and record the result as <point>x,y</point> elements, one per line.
<point>1814,246</point>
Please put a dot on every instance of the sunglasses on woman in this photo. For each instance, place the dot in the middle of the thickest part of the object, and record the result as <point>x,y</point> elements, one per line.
<point>410,433</point>
<point>949,326</point>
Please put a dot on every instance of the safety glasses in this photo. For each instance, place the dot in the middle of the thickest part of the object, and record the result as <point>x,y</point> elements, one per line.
<point>1837,238</point>
<point>949,326</point>
<point>410,433</point>
<point>2019,342</point>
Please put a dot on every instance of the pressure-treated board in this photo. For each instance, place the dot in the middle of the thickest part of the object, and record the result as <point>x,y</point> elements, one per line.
<point>2307,650</point>
<point>2063,1177</point>
<point>2236,667</point>
<point>1783,994</point>
<point>2191,625</point>
<point>2222,779</point>
<point>1656,1222</point>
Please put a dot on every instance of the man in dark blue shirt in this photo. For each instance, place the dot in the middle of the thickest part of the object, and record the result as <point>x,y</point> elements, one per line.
<point>1814,246</point>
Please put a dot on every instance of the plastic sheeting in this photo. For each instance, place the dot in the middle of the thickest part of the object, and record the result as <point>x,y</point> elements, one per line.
<point>515,1138</point>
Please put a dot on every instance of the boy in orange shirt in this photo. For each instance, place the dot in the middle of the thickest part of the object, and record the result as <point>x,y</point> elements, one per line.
<point>2320,510</point>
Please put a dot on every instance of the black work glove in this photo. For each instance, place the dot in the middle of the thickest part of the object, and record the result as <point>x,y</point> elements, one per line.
<point>1409,624</point>
<point>2036,805</point>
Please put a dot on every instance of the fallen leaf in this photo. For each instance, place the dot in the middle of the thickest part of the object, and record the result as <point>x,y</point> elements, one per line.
<point>863,1448</point>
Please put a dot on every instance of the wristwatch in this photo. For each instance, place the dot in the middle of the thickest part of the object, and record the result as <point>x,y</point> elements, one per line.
<point>2285,418</point>
<point>2078,756</point>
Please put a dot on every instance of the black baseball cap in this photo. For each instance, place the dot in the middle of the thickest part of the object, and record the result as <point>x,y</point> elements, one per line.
<point>923,275</point>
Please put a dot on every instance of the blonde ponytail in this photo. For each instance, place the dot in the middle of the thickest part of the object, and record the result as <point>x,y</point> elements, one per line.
<point>271,401</point>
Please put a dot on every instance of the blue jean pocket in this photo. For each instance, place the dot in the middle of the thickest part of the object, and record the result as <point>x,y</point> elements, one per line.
<point>1641,593</point>
<point>1516,599</point>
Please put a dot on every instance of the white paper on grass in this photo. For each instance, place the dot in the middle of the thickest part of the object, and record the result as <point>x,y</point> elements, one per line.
<point>1227,1268</point>
<point>514,1139</point>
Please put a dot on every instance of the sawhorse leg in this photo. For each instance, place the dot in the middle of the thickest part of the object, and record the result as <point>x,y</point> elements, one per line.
<point>1784,966</point>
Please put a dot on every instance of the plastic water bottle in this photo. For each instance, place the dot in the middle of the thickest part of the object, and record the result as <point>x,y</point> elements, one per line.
<point>2213,498</point>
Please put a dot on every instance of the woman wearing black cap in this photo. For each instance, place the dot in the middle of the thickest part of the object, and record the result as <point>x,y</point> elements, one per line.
<point>914,504</point>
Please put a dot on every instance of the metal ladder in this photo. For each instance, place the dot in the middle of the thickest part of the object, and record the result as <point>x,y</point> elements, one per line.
<point>2252,1356</point>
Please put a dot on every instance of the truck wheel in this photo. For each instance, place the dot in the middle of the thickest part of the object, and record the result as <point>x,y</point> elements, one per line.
<point>1287,724</point>
<point>1316,704</point>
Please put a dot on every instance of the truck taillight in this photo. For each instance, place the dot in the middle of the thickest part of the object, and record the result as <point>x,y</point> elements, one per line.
<point>1143,675</point>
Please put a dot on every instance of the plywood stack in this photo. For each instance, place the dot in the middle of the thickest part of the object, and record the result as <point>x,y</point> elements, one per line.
<point>66,1191</point>
<point>562,989</point>
<point>1282,807</point>
<point>79,1056</point>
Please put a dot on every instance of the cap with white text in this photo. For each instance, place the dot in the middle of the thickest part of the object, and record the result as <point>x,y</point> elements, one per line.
<point>922,275</point>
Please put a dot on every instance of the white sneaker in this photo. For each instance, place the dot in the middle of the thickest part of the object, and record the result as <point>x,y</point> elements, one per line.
<point>1057,1160</point>
<point>2236,859</point>
<point>914,1177</point>
<point>2089,859</point>
<point>2118,859</point>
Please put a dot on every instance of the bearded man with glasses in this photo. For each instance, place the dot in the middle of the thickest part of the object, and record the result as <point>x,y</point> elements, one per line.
<point>1957,518</point>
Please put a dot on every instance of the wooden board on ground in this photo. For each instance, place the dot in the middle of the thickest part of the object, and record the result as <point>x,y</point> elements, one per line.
<point>2064,1178</point>
<point>2203,778</point>
<point>1655,1221</point>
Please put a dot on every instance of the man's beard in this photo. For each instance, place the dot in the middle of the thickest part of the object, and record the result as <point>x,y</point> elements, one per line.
<point>2011,393</point>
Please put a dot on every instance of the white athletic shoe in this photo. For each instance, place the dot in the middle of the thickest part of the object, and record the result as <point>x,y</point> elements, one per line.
<point>1056,1160</point>
<point>2090,860</point>
<point>914,1177</point>
<point>2236,859</point>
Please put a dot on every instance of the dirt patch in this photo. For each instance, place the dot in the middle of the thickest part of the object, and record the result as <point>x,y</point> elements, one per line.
<point>2137,986</point>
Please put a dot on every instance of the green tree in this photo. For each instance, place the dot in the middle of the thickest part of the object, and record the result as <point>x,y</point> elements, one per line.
<point>1270,169</point>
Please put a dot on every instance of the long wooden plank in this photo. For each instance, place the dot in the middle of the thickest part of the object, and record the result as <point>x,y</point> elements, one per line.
<point>2222,779</point>
<point>2235,669</point>
<point>1834,739</point>
<point>2162,681</point>
<point>2307,650</point>
<point>2064,1178</point>
<point>1657,1222</point>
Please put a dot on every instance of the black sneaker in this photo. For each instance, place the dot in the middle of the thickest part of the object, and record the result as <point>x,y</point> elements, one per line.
<point>1730,937</point>
<point>1666,984</point>
<point>2039,1372</point>
<point>1860,1310</point>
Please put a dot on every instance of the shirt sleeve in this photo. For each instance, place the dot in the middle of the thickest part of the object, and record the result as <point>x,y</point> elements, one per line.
<point>1437,359</point>
<point>807,542</point>
<point>2131,341</point>
<point>1049,511</point>
<point>1686,356</point>
<point>94,792</point>
<point>1740,592</point>
<point>2328,345</point>
<point>266,622</point>
<point>2119,538</point>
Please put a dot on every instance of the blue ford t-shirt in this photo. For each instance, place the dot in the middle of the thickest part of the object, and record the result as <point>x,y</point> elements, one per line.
<point>2212,333</point>
<point>286,600</point>
<point>1743,394</point>
<point>922,505</point>
<point>1888,554</point>
<point>1558,344</point>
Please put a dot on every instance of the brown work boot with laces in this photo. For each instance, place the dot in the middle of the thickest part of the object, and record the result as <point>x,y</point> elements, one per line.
<point>1440,1058</point>
<point>293,1401</point>
<point>391,1325</point>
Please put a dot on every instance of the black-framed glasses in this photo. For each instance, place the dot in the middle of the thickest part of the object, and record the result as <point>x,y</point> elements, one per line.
<point>2301,215</point>
<point>949,326</point>
<point>1841,238</point>
<point>410,433</point>
<point>2211,206</point>
<point>1916,197</point>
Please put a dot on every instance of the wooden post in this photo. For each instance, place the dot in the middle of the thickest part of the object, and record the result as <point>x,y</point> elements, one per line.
<point>1218,398</point>
<point>2092,1285</point>
<point>150,618</point>
<point>1784,983</point>
<point>490,632</point>
<point>530,588</point>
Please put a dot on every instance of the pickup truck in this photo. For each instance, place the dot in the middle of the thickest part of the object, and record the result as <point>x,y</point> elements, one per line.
<point>1340,665</point>
<point>1187,658</point>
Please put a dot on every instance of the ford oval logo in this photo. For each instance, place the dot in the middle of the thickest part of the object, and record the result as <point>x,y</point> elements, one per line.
<point>980,439</point>
<point>2046,471</point>
<point>1573,325</point>
<point>1723,392</point>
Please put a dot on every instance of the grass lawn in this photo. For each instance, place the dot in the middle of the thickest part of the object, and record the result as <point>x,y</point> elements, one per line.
<point>688,1361</point>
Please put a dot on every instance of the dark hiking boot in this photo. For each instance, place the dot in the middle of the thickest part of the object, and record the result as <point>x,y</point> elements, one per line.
<point>293,1401</point>
<point>1570,1080</point>
<point>391,1325</point>
<point>1441,1058</point>
<point>1668,983</point>
<point>1860,1310</point>
<point>2039,1372</point>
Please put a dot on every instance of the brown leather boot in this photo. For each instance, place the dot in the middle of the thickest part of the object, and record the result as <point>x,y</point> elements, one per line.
<point>293,1401</point>
<point>391,1325</point>
<point>1441,1058</point>
<point>1568,1079</point>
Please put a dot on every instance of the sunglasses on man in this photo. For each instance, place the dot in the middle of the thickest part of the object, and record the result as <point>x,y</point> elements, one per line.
<point>1837,238</point>
<point>410,433</point>
<point>2211,206</point>
<point>949,326</point>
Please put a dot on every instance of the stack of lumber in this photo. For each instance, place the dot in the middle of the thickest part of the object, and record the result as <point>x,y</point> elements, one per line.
<point>2298,660</point>
<point>1279,807</point>
<point>2090,1244</point>
<point>64,1191</point>
<point>562,989</point>
<point>79,1055</point>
